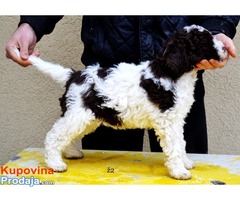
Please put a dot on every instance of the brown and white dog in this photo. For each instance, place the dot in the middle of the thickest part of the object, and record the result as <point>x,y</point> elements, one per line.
<point>155,94</point>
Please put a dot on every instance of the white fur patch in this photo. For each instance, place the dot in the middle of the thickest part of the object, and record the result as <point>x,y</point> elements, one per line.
<point>222,52</point>
<point>190,28</point>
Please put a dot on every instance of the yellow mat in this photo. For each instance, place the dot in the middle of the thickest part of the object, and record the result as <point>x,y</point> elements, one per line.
<point>117,167</point>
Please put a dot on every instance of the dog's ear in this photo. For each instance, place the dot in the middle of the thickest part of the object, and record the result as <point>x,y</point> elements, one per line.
<point>201,46</point>
<point>176,58</point>
<point>168,48</point>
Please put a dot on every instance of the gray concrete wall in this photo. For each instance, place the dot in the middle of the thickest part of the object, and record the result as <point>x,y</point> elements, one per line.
<point>29,101</point>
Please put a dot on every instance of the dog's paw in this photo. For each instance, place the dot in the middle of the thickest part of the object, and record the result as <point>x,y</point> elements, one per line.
<point>183,174</point>
<point>73,154</point>
<point>188,164</point>
<point>57,166</point>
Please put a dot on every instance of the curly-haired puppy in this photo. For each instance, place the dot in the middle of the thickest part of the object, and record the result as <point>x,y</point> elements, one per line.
<point>155,94</point>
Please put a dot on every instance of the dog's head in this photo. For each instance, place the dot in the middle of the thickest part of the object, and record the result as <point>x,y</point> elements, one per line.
<point>203,45</point>
<point>189,46</point>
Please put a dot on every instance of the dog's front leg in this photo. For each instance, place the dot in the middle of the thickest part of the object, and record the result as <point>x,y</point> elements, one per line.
<point>187,162</point>
<point>171,141</point>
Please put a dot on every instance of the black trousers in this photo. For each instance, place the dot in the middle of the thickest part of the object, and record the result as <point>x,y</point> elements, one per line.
<point>195,131</point>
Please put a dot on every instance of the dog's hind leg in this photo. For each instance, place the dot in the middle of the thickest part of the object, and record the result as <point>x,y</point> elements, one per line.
<point>73,150</point>
<point>61,135</point>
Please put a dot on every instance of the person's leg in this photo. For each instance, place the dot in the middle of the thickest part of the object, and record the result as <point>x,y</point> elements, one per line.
<point>154,144</point>
<point>105,138</point>
<point>195,130</point>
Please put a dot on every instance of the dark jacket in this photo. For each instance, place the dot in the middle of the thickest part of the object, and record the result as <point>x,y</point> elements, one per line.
<point>114,39</point>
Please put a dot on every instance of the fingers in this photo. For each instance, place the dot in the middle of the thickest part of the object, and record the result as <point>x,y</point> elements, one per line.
<point>23,59</point>
<point>24,52</point>
<point>211,64</point>
<point>231,49</point>
<point>203,65</point>
<point>23,39</point>
<point>10,53</point>
<point>228,43</point>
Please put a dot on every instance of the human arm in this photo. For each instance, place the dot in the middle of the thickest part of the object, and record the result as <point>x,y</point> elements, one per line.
<point>29,32</point>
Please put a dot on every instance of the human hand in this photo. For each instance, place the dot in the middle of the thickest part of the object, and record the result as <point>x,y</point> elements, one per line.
<point>214,64</point>
<point>24,39</point>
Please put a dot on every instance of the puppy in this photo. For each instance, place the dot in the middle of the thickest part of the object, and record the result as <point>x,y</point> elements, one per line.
<point>155,94</point>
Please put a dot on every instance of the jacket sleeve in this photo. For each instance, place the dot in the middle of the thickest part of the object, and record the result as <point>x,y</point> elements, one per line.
<point>219,24</point>
<point>41,24</point>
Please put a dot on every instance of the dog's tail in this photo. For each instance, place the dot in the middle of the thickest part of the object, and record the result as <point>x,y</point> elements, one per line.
<point>57,72</point>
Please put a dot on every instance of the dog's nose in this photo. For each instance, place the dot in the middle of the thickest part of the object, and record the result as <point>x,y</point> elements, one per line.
<point>224,49</point>
<point>225,53</point>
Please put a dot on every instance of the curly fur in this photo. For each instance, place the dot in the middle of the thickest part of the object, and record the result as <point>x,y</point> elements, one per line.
<point>155,94</point>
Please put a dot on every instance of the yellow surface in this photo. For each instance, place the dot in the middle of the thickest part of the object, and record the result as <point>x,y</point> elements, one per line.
<point>114,167</point>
